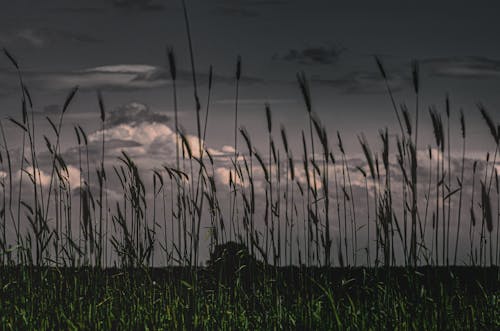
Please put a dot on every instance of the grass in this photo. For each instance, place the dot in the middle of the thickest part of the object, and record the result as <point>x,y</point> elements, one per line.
<point>166,299</point>
<point>94,265</point>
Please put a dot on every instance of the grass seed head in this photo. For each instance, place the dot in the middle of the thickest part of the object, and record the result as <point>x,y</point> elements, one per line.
<point>489,122</point>
<point>304,88</point>
<point>238,67</point>
<point>69,98</point>
<point>462,123</point>
<point>101,106</point>
<point>11,58</point>
<point>380,67</point>
<point>171,63</point>
<point>415,76</point>
<point>269,118</point>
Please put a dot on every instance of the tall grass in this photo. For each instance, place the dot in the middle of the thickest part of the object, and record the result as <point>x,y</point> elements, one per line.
<point>191,183</point>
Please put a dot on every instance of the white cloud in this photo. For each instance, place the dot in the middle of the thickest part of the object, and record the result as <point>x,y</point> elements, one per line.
<point>223,174</point>
<point>144,133</point>
<point>122,76</point>
<point>43,178</point>
<point>147,134</point>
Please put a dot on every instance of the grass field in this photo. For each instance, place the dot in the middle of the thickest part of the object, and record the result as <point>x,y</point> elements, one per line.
<point>286,298</point>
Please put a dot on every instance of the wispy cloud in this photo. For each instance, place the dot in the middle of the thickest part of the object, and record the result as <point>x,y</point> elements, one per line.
<point>114,77</point>
<point>312,55</point>
<point>139,4</point>
<point>44,37</point>
<point>362,82</point>
<point>135,113</point>
<point>121,77</point>
<point>256,101</point>
<point>245,8</point>
<point>236,12</point>
<point>472,67</point>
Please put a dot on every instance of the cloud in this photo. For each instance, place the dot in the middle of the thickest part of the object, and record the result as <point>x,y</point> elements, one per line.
<point>256,101</point>
<point>51,109</point>
<point>313,55</point>
<point>144,134</point>
<point>113,77</point>
<point>134,113</point>
<point>161,74</point>
<point>126,5</point>
<point>469,67</point>
<point>365,83</point>
<point>81,10</point>
<point>139,4</point>
<point>244,8</point>
<point>120,77</point>
<point>224,174</point>
<point>151,141</point>
<point>135,128</point>
<point>237,12</point>
<point>72,176</point>
<point>44,37</point>
<point>130,76</point>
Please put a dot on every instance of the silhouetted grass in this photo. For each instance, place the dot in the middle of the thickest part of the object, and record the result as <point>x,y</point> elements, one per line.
<point>102,274</point>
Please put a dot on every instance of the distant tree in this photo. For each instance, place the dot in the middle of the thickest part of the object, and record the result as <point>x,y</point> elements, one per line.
<point>231,261</point>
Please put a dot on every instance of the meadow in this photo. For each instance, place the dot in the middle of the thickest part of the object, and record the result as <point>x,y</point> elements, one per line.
<point>287,250</point>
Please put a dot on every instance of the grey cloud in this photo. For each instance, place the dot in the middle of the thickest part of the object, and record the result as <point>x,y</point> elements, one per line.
<point>245,8</point>
<point>115,77</point>
<point>134,113</point>
<point>472,67</point>
<point>162,76</point>
<point>118,143</point>
<point>139,4</point>
<point>44,37</point>
<point>313,55</point>
<point>109,78</point>
<point>365,83</point>
<point>51,109</point>
<point>371,82</point>
<point>251,3</point>
<point>258,102</point>
<point>237,12</point>
<point>71,155</point>
<point>81,10</point>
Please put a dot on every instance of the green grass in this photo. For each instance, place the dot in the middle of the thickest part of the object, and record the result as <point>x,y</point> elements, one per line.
<point>167,299</point>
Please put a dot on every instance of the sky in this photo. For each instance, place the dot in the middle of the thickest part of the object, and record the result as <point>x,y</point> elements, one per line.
<point>119,47</point>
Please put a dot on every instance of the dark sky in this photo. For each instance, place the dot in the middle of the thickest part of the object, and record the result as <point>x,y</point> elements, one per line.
<point>119,47</point>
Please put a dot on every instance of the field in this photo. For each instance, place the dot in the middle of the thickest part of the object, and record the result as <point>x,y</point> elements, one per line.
<point>281,244</point>
<point>284,298</point>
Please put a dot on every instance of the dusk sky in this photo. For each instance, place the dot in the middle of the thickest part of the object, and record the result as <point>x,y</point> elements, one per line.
<point>119,47</point>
